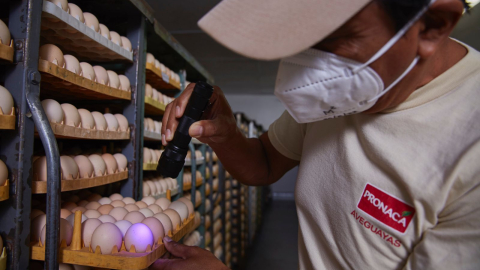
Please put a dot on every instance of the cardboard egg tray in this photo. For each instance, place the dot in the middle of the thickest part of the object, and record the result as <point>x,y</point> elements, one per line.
<point>74,37</point>
<point>7,121</point>
<point>159,80</point>
<point>151,136</point>
<point>150,166</point>
<point>40,187</point>
<point>78,253</point>
<point>153,107</point>
<point>6,52</point>
<point>63,131</point>
<point>4,191</point>
<point>60,81</point>
<point>3,259</point>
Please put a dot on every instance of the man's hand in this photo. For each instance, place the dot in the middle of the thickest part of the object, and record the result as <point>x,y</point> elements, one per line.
<point>188,258</point>
<point>218,124</point>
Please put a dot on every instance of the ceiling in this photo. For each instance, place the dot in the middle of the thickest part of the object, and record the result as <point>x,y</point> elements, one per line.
<point>234,73</point>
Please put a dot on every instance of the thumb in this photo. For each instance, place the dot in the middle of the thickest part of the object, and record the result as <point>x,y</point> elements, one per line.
<point>176,249</point>
<point>204,128</point>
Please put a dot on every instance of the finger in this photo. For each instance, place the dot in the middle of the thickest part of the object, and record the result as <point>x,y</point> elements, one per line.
<point>182,100</point>
<point>172,123</point>
<point>178,250</point>
<point>164,264</point>
<point>165,118</point>
<point>205,128</point>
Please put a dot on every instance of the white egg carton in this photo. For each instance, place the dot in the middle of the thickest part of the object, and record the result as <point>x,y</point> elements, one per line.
<point>66,31</point>
<point>77,253</point>
<point>148,135</point>
<point>7,52</point>
<point>150,166</point>
<point>61,130</point>
<point>5,191</point>
<point>198,161</point>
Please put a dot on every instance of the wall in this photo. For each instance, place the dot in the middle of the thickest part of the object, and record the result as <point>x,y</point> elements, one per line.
<point>265,109</point>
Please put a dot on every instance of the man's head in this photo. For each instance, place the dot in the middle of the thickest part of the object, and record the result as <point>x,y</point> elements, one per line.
<point>357,36</point>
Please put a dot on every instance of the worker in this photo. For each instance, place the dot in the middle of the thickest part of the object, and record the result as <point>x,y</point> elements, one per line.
<point>382,118</point>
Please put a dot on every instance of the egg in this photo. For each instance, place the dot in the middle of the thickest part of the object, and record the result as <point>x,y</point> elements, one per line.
<point>93,205</point>
<point>63,4</point>
<point>154,160</point>
<point>36,227</point>
<point>106,237</point>
<point>112,122</point>
<point>112,166</point>
<point>66,232</point>
<point>53,110</point>
<point>121,161</point>
<point>115,37</point>
<point>52,54</point>
<point>88,72</point>
<point>91,21</point>
<point>104,31</point>
<point>118,203</point>
<point>155,94</point>
<point>159,187</point>
<point>72,64</point>
<point>131,207</point>
<point>189,204</point>
<point>147,155</point>
<point>146,212</point>
<point>5,38</point>
<point>181,208</point>
<point>98,164</point>
<point>35,213</point>
<point>100,122</point>
<point>105,209</point>
<point>128,200</point>
<point>101,74</point>
<point>69,168</point>
<point>104,200</point>
<point>79,208</point>
<point>148,90</point>
<point>116,196</point>
<point>163,203</point>
<point>73,198</point>
<point>174,217</point>
<point>166,222</point>
<point>91,213</point>
<point>71,115</point>
<point>157,129</point>
<point>122,122</point>
<point>64,213</point>
<point>82,203</point>
<point>124,83</point>
<point>134,217</point>
<point>107,218</point>
<point>6,101</point>
<point>153,188</point>
<point>71,218</point>
<point>118,213</point>
<point>140,236</point>
<point>148,200</point>
<point>146,189</point>
<point>141,204</point>
<point>155,208</point>
<point>4,173</point>
<point>88,227</point>
<point>149,125</point>
<point>123,225</point>
<point>156,228</point>
<point>85,167</point>
<point>159,152</point>
<point>126,44</point>
<point>86,118</point>
<point>150,58</point>
<point>76,12</point>
<point>113,79</point>
<point>94,197</point>
<point>158,65</point>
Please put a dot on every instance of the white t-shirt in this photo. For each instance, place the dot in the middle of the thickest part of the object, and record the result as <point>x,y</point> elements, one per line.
<point>397,190</point>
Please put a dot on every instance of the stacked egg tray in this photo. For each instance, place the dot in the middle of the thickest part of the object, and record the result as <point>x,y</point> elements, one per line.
<point>3,259</point>
<point>71,35</point>
<point>78,254</point>
<point>4,191</point>
<point>154,107</point>
<point>149,135</point>
<point>56,79</point>
<point>63,131</point>
<point>7,121</point>
<point>160,80</point>
<point>6,52</point>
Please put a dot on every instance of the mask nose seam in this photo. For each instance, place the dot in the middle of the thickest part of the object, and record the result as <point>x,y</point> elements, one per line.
<point>310,84</point>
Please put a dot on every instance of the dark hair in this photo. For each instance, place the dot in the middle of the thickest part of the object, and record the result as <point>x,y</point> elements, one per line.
<point>401,11</point>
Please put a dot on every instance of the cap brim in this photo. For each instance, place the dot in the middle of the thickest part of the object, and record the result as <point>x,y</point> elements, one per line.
<point>274,29</point>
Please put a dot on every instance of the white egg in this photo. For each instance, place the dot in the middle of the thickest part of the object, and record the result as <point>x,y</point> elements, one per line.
<point>6,101</point>
<point>72,64</point>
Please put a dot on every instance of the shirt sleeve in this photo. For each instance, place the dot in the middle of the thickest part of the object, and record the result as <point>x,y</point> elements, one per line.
<point>287,136</point>
<point>454,243</point>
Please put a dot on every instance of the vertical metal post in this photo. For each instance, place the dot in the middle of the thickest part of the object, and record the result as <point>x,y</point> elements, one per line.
<point>202,193</point>
<point>134,111</point>
<point>221,190</point>
<point>210,196</point>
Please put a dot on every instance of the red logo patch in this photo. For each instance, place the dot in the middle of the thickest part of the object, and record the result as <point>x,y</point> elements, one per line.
<point>385,208</point>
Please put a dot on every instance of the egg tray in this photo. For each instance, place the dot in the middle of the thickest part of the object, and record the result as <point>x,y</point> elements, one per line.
<point>74,37</point>
<point>151,136</point>
<point>3,259</point>
<point>5,191</point>
<point>154,107</point>
<point>62,83</point>
<point>6,52</point>
<point>159,80</point>
<point>78,254</point>
<point>198,161</point>
<point>7,121</point>
<point>150,166</point>
<point>64,131</point>
<point>40,187</point>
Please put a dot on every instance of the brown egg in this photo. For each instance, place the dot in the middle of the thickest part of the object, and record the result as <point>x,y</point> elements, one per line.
<point>93,205</point>
<point>128,200</point>
<point>88,72</point>
<point>124,83</point>
<point>66,232</point>
<point>91,213</point>
<point>134,217</point>
<point>122,122</point>
<point>35,213</point>
<point>71,116</point>
<point>146,189</point>
<point>113,79</point>
<point>150,58</point>
<point>154,157</point>
<point>115,37</point>
<point>82,203</point>
<point>131,207</point>
<point>85,166</point>
<point>111,163</point>
<point>6,101</point>
<point>40,169</point>
<point>100,122</point>
<point>147,155</point>
<point>189,204</point>
<point>63,4</point>
<point>163,203</point>
<point>166,222</point>
<point>156,227</point>
<point>115,196</point>
<point>121,161</point>
<point>141,204</point>
<point>118,203</point>
<point>64,213</point>
<point>105,209</point>
<point>5,38</point>
<point>76,12</point>
<point>148,90</point>
<point>159,65</point>
<point>53,110</point>
<point>52,54</point>
<point>146,212</point>
<point>72,64</point>
<point>112,122</point>
<point>155,208</point>
<point>101,74</point>
<point>86,118</point>
<point>104,31</point>
<point>69,168</point>
<point>91,21</point>
<point>126,44</point>
<point>155,94</point>
<point>88,227</point>
<point>94,197</point>
<point>118,213</point>
<point>174,217</point>
<point>181,208</point>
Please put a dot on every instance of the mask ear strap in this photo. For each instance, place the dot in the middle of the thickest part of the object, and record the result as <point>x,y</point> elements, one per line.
<point>395,38</point>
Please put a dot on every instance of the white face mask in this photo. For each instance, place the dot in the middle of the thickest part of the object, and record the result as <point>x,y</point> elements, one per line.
<point>315,85</point>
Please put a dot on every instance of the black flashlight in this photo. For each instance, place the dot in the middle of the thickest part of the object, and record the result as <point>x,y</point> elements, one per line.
<point>173,158</point>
